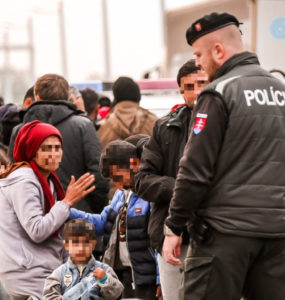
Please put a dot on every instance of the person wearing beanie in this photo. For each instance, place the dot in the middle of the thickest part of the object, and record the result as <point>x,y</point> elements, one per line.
<point>124,88</point>
<point>126,117</point>
<point>34,207</point>
<point>230,185</point>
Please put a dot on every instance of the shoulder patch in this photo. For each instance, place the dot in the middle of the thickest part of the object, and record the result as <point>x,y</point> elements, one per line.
<point>200,123</point>
<point>138,210</point>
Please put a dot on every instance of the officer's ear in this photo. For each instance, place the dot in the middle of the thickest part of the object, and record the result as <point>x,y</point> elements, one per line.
<point>218,52</point>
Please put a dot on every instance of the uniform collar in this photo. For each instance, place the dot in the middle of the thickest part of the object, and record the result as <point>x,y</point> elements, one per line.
<point>244,58</point>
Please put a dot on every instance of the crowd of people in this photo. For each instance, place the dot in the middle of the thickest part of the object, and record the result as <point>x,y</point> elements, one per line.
<point>103,200</point>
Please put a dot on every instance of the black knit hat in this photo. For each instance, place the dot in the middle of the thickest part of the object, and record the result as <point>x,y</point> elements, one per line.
<point>124,88</point>
<point>209,23</point>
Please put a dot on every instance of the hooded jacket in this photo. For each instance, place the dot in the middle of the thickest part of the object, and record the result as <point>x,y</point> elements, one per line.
<point>29,251</point>
<point>125,119</point>
<point>81,147</point>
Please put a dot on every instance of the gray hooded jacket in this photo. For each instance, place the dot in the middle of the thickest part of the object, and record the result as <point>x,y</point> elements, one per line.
<point>29,251</point>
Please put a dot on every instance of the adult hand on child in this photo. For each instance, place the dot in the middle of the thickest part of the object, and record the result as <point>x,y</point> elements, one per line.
<point>78,189</point>
<point>99,273</point>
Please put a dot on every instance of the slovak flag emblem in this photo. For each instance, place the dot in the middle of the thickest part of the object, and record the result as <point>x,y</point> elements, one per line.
<point>200,123</point>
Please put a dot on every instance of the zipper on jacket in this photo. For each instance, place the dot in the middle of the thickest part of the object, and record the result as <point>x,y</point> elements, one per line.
<point>132,269</point>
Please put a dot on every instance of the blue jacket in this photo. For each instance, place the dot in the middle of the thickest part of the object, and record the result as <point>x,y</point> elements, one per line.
<point>141,254</point>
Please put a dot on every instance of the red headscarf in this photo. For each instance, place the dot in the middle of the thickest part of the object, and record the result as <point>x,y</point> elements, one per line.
<point>27,143</point>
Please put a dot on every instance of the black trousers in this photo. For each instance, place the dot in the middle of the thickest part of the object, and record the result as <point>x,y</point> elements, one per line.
<point>143,291</point>
<point>232,266</point>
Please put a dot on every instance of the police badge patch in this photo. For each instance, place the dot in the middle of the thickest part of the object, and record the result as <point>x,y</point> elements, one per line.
<point>67,279</point>
<point>200,123</point>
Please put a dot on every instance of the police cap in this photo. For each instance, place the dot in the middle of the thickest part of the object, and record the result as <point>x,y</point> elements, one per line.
<point>209,23</point>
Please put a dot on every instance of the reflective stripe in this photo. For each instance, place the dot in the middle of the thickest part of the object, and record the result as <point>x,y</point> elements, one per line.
<point>220,86</point>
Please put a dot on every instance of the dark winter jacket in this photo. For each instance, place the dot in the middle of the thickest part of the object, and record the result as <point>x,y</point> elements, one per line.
<point>141,255</point>
<point>81,147</point>
<point>159,166</point>
<point>237,183</point>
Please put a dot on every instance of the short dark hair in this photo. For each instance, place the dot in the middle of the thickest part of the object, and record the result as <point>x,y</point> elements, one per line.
<point>29,94</point>
<point>90,98</point>
<point>188,68</point>
<point>117,153</point>
<point>52,87</point>
<point>79,227</point>
<point>104,101</point>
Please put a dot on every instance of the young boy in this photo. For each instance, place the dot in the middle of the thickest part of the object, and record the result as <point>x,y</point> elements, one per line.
<point>80,240</point>
<point>124,224</point>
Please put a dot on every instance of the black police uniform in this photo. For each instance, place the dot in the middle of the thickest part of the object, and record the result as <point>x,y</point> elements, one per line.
<point>232,175</point>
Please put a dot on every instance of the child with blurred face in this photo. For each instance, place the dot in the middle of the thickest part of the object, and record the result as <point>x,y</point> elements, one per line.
<point>80,241</point>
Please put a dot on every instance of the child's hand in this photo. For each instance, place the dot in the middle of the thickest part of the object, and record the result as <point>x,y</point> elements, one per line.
<point>99,273</point>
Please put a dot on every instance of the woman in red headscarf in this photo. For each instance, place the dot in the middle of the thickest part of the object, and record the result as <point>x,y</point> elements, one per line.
<point>33,208</point>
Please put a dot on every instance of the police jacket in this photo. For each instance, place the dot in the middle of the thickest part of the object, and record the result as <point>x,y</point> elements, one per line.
<point>81,147</point>
<point>232,173</point>
<point>159,166</point>
<point>141,255</point>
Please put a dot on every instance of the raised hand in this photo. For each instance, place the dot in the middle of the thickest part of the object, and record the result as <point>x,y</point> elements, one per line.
<point>78,189</point>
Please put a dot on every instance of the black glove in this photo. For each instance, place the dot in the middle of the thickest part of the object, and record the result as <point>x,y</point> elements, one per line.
<point>200,231</point>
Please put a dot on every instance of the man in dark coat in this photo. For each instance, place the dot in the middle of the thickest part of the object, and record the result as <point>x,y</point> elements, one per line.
<point>232,174</point>
<point>159,166</point>
<point>82,148</point>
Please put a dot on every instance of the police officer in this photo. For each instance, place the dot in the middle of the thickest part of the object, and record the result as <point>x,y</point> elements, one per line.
<point>232,174</point>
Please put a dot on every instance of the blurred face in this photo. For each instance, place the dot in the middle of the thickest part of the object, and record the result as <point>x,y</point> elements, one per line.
<point>191,86</point>
<point>49,155</point>
<point>204,57</point>
<point>120,176</point>
<point>80,248</point>
<point>123,177</point>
